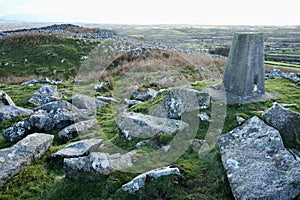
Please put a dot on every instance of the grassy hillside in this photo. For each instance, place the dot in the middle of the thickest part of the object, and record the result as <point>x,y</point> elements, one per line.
<point>54,56</point>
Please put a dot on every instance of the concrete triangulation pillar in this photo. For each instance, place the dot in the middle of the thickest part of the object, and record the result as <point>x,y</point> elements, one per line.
<point>244,76</point>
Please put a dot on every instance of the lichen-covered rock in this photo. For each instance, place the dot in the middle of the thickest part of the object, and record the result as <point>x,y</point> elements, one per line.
<point>17,157</point>
<point>138,182</point>
<point>180,100</point>
<point>45,94</point>
<point>257,164</point>
<point>74,130</point>
<point>285,121</point>
<point>9,112</point>
<point>136,125</point>
<point>77,149</point>
<point>144,96</point>
<point>96,165</point>
<point>86,102</point>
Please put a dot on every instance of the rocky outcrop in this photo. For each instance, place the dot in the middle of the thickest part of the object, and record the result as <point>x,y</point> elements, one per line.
<point>49,117</point>
<point>136,125</point>
<point>144,96</point>
<point>45,94</point>
<point>138,182</point>
<point>86,102</point>
<point>17,157</point>
<point>180,100</point>
<point>77,149</point>
<point>285,121</point>
<point>276,73</point>
<point>65,29</point>
<point>74,130</point>
<point>35,81</point>
<point>257,164</point>
<point>9,112</point>
<point>96,165</point>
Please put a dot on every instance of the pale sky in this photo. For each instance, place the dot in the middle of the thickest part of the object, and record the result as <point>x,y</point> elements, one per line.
<point>219,12</point>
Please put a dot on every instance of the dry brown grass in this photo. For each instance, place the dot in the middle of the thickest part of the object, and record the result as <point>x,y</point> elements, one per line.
<point>16,79</point>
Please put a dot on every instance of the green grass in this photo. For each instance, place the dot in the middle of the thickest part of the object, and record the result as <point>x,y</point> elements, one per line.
<point>284,65</point>
<point>42,55</point>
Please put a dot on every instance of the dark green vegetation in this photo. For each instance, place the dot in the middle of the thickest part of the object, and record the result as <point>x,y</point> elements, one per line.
<point>54,56</point>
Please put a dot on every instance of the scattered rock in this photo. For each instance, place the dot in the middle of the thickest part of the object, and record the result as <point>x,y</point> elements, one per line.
<point>53,106</point>
<point>107,99</point>
<point>142,143</point>
<point>44,95</point>
<point>77,149</point>
<point>285,121</point>
<point>240,119</point>
<point>257,164</point>
<point>180,100</point>
<point>25,152</point>
<point>86,102</point>
<point>131,103</point>
<point>276,73</point>
<point>136,125</point>
<point>9,112</point>
<point>74,130</point>
<point>144,96</point>
<point>138,182</point>
<point>96,166</point>
<point>34,81</point>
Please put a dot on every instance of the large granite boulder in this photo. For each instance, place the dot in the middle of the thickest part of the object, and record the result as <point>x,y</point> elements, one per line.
<point>77,149</point>
<point>74,130</point>
<point>86,102</point>
<point>257,164</point>
<point>180,100</point>
<point>138,182</point>
<point>44,95</point>
<point>45,120</point>
<point>25,152</point>
<point>96,165</point>
<point>285,121</point>
<point>136,125</point>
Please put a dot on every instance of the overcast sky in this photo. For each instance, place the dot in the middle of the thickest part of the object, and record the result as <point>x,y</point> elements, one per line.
<point>242,12</point>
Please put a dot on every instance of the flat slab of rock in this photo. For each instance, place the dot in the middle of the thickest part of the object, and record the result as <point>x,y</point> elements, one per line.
<point>74,130</point>
<point>257,164</point>
<point>136,125</point>
<point>180,100</point>
<point>17,157</point>
<point>86,102</point>
<point>45,94</point>
<point>96,165</point>
<point>285,121</point>
<point>9,112</point>
<point>138,182</point>
<point>77,149</point>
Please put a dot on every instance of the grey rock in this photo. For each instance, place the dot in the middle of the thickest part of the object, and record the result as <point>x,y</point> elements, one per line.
<point>131,103</point>
<point>96,166</point>
<point>17,132</point>
<point>142,143</point>
<point>257,164</point>
<point>285,121</point>
<point>86,102</point>
<point>138,182</point>
<point>136,125</point>
<point>180,100</point>
<point>244,76</point>
<point>53,106</point>
<point>107,99</point>
<point>34,81</point>
<point>276,73</point>
<point>5,100</point>
<point>16,158</point>
<point>44,95</point>
<point>9,112</point>
<point>77,149</point>
<point>77,129</point>
<point>204,117</point>
<point>144,96</point>
<point>240,119</point>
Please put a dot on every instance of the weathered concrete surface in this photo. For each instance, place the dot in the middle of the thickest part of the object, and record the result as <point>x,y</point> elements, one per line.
<point>285,121</point>
<point>257,164</point>
<point>17,157</point>
<point>138,182</point>
<point>136,125</point>
<point>244,76</point>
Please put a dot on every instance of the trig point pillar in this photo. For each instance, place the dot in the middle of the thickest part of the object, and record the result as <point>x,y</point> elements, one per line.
<point>244,76</point>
